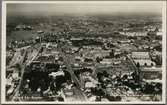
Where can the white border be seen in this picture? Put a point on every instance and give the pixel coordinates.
(3, 52)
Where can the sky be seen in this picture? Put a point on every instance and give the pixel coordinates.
(84, 8)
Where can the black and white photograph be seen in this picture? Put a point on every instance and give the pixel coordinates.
(83, 52)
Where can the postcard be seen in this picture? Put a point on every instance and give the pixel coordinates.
(83, 52)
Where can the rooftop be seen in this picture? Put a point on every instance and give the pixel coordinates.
(140, 55)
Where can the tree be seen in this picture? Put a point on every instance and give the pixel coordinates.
(18, 66)
(158, 60)
(60, 99)
(118, 98)
(98, 98)
(98, 59)
(112, 53)
(105, 73)
(110, 98)
(137, 78)
(99, 75)
(125, 76)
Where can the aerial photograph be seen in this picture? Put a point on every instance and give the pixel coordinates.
(84, 52)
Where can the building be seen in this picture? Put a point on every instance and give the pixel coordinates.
(74, 49)
(23, 27)
(90, 85)
(144, 33)
(145, 62)
(124, 41)
(100, 53)
(143, 58)
(151, 73)
(78, 58)
(40, 31)
(94, 47)
(58, 73)
(107, 61)
(140, 55)
(76, 39)
(159, 33)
